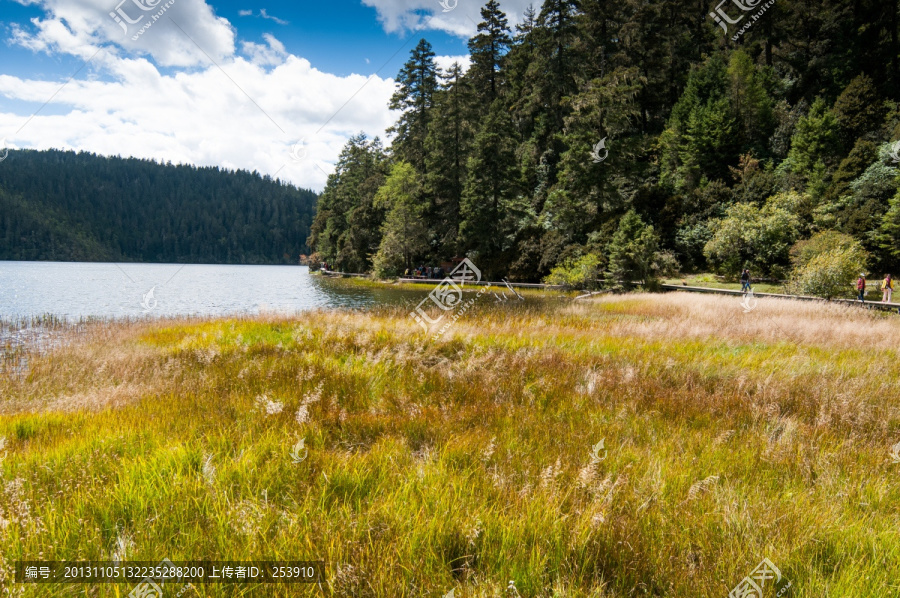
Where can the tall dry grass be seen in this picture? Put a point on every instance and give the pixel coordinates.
(471, 463)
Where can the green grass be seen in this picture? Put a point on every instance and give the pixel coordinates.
(465, 463)
(425, 287)
(714, 282)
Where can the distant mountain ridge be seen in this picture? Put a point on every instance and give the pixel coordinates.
(67, 206)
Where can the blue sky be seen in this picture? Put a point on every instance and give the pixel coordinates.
(277, 88)
(338, 36)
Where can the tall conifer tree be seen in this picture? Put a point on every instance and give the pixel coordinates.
(416, 85)
(487, 50)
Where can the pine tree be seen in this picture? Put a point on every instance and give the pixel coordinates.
(751, 105)
(346, 231)
(700, 131)
(547, 68)
(447, 149)
(489, 205)
(551, 68)
(859, 110)
(487, 50)
(632, 252)
(529, 20)
(521, 54)
(404, 235)
(557, 21)
(588, 192)
(816, 140)
(416, 85)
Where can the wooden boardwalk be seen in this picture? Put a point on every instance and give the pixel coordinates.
(854, 302)
(342, 274)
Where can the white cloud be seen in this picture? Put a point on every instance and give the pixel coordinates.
(461, 19)
(184, 35)
(265, 15)
(247, 115)
(445, 62)
(270, 54)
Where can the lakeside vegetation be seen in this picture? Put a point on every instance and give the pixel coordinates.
(471, 463)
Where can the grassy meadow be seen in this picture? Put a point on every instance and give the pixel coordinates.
(472, 463)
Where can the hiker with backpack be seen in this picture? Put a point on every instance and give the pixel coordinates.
(887, 289)
(861, 287)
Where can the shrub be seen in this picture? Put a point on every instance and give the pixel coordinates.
(580, 273)
(633, 254)
(748, 236)
(665, 263)
(804, 251)
(830, 273)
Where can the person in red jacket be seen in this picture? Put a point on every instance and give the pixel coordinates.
(861, 287)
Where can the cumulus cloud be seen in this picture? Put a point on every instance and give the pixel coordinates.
(268, 54)
(458, 17)
(186, 32)
(445, 62)
(245, 110)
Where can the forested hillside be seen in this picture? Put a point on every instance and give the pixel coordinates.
(57, 205)
(633, 137)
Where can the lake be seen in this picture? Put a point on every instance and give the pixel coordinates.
(80, 290)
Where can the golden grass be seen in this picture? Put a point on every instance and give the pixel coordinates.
(472, 462)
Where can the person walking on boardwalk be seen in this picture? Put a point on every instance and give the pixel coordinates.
(887, 289)
(861, 287)
(745, 281)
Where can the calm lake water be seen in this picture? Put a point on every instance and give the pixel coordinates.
(76, 290)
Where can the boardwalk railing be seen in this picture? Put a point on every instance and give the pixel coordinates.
(344, 274)
(856, 302)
